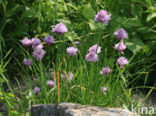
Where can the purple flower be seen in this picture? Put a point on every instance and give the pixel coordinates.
(122, 61)
(27, 62)
(38, 53)
(35, 42)
(36, 90)
(26, 42)
(120, 47)
(105, 71)
(70, 76)
(40, 46)
(95, 48)
(104, 89)
(121, 34)
(71, 51)
(102, 17)
(60, 29)
(91, 57)
(51, 83)
(49, 39)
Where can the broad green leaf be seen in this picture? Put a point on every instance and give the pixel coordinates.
(71, 35)
(92, 25)
(71, 5)
(132, 22)
(134, 45)
(119, 19)
(29, 13)
(151, 17)
(144, 30)
(136, 10)
(21, 29)
(147, 50)
(149, 36)
(88, 12)
(151, 9)
(13, 10)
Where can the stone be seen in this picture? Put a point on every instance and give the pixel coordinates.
(70, 109)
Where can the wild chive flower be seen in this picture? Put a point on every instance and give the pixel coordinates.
(95, 48)
(92, 57)
(26, 42)
(60, 29)
(36, 90)
(104, 89)
(49, 39)
(51, 83)
(70, 76)
(40, 46)
(102, 17)
(105, 71)
(121, 34)
(38, 53)
(27, 62)
(35, 42)
(120, 47)
(71, 51)
(122, 61)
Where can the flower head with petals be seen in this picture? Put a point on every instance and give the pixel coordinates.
(27, 62)
(105, 71)
(26, 42)
(104, 89)
(71, 51)
(92, 57)
(51, 83)
(121, 34)
(39, 53)
(60, 28)
(36, 90)
(35, 42)
(102, 17)
(120, 47)
(122, 61)
(49, 39)
(95, 48)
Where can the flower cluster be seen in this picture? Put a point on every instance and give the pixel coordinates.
(49, 39)
(51, 83)
(102, 17)
(122, 61)
(70, 76)
(60, 28)
(94, 50)
(120, 47)
(104, 89)
(27, 62)
(71, 51)
(121, 34)
(36, 90)
(93, 55)
(36, 44)
(26, 42)
(105, 71)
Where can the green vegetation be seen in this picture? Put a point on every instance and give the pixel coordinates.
(36, 19)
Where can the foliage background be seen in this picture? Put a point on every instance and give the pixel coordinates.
(20, 18)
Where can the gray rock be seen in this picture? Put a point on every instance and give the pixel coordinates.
(70, 109)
